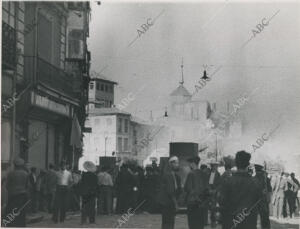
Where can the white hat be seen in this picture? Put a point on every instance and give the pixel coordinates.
(174, 158)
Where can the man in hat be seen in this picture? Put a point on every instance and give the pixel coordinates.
(105, 183)
(239, 196)
(89, 191)
(64, 181)
(263, 206)
(214, 181)
(196, 188)
(17, 188)
(170, 189)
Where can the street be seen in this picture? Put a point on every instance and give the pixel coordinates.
(143, 220)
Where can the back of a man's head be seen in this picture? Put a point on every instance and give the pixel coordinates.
(242, 159)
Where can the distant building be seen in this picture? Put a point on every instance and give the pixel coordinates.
(190, 119)
(108, 134)
(101, 92)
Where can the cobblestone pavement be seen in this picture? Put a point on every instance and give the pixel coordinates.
(142, 220)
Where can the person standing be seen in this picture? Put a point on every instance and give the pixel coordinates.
(278, 197)
(64, 181)
(263, 206)
(17, 188)
(41, 190)
(206, 171)
(105, 183)
(296, 187)
(51, 182)
(33, 189)
(288, 197)
(214, 181)
(170, 189)
(239, 196)
(196, 188)
(89, 191)
(124, 188)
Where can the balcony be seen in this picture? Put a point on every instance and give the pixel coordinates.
(8, 47)
(49, 76)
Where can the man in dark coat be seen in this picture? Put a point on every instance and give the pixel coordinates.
(170, 189)
(89, 191)
(196, 188)
(239, 196)
(263, 206)
(17, 188)
(124, 189)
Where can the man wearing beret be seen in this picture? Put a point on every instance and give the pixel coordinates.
(240, 196)
(196, 188)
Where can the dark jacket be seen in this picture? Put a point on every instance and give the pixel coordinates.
(167, 190)
(88, 185)
(240, 195)
(17, 182)
(196, 187)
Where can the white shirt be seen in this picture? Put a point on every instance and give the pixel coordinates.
(211, 178)
(64, 177)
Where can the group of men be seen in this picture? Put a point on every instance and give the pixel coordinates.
(234, 199)
(239, 196)
(285, 191)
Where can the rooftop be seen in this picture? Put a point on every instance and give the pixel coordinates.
(180, 91)
(100, 77)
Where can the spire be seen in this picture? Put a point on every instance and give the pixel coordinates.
(182, 80)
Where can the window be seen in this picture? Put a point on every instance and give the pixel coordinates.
(120, 125)
(102, 87)
(111, 89)
(126, 125)
(106, 88)
(91, 86)
(120, 144)
(97, 86)
(126, 144)
(8, 13)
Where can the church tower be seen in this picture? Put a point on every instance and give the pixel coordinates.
(180, 96)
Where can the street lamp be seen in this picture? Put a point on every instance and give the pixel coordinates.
(105, 145)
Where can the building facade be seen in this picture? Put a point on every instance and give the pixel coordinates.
(101, 92)
(108, 135)
(51, 80)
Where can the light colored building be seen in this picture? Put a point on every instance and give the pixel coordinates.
(101, 92)
(108, 133)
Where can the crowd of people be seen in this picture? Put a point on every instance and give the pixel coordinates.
(234, 198)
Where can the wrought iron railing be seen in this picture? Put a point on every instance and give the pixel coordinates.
(49, 75)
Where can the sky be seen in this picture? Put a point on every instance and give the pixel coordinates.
(210, 34)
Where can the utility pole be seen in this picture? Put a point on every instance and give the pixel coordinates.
(216, 147)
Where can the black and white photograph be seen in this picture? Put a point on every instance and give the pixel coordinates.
(150, 114)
